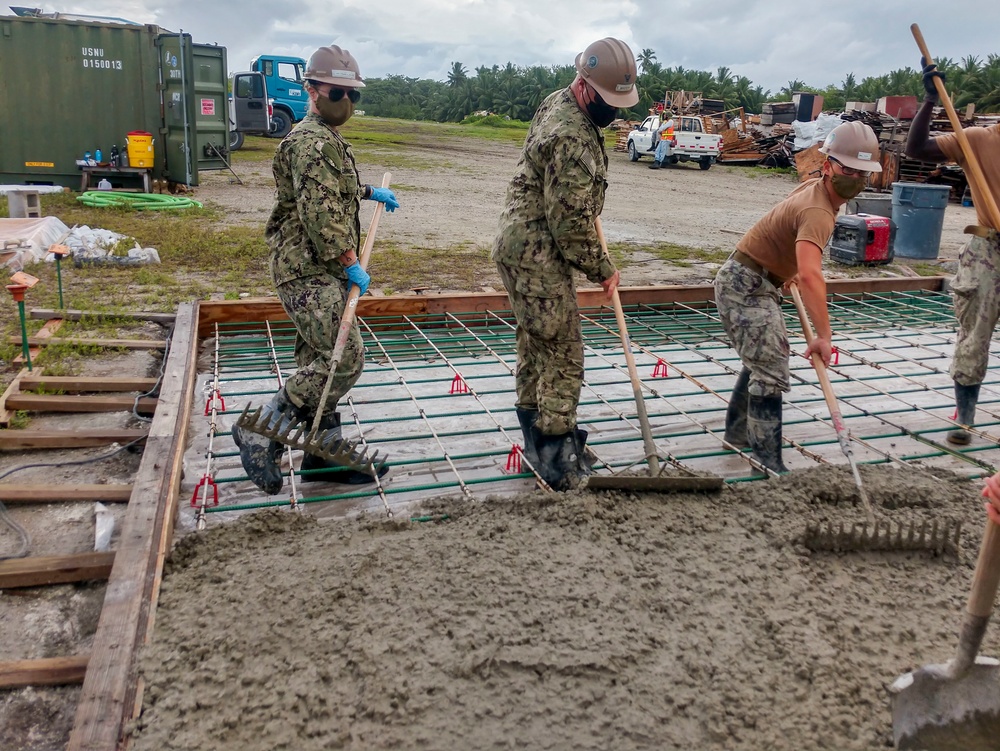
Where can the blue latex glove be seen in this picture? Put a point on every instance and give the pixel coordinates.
(357, 275)
(386, 196)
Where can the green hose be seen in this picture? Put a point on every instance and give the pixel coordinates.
(138, 201)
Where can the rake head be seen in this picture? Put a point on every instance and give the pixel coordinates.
(937, 537)
(325, 444)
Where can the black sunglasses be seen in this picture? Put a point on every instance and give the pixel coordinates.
(337, 94)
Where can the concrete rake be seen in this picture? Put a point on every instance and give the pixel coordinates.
(938, 536)
(325, 444)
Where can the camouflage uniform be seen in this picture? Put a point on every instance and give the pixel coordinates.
(976, 292)
(750, 308)
(547, 230)
(314, 221)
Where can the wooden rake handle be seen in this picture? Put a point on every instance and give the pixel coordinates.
(817, 361)
(633, 374)
(350, 309)
(975, 172)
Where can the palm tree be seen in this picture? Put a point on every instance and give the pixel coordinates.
(646, 58)
(457, 75)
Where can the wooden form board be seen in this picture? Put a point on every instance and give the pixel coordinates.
(82, 384)
(29, 438)
(54, 569)
(269, 308)
(64, 493)
(38, 341)
(54, 403)
(108, 698)
(47, 671)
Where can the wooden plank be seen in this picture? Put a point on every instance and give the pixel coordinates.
(19, 440)
(61, 493)
(45, 332)
(54, 403)
(76, 384)
(47, 671)
(12, 388)
(76, 315)
(37, 341)
(109, 697)
(255, 310)
(54, 569)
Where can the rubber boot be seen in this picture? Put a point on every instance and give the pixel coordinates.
(736, 412)
(966, 398)
(764, 431)
(330, 422)
(560, 458)
(259, 455)
(527, 419)
(654, 165)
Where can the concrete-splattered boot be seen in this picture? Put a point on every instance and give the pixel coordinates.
(259, 455)
(334, 472)
(561, 460)
(736, 412)
(764, 431)
(966, 398)
(526, 417)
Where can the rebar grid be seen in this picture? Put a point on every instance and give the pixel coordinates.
(437, 396)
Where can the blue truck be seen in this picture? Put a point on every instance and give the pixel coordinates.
(284, 78)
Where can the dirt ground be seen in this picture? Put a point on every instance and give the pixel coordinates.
(579, 622)
(457, 206)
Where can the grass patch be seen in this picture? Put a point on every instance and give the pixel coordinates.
(678, 255)
(757, 171)
(460, 267)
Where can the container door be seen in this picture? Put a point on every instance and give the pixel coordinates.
(250, 103)
(195, 129)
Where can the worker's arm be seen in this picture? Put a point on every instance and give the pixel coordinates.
(812, 287)
(919, 144)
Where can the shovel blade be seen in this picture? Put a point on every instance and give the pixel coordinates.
(934, 712)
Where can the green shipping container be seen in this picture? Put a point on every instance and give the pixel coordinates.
(72, 87)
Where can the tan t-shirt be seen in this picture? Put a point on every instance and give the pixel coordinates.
(985, 143)
(806, 214)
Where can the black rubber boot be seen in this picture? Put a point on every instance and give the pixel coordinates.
(260, 456)
(764, 431)
(561, 460)
(334, 472)
(736, 412)
(966, 398)
(654, 165)
(527, 419)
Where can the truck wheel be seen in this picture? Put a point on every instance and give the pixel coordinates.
(705, 162)
(633, 154)
(235, 140)
(281, 124)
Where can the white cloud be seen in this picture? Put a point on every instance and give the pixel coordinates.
(769, 42)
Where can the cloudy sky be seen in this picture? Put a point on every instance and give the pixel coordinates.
(770, 41)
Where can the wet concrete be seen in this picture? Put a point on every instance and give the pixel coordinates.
(584, 621)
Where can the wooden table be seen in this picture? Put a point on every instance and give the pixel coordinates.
(141, 173)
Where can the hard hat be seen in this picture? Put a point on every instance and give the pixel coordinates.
(334, 65)
(609, 66)
(854, 145)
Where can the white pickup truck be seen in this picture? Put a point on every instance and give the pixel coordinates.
(693, 143)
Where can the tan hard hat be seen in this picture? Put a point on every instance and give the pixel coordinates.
(609, 66)
(854, 145)
(334, 65)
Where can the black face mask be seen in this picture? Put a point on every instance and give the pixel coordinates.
(602, 113)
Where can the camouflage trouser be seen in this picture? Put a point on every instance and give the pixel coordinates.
(750, 308)
(315, 304)
(976, 291)
(549, 346)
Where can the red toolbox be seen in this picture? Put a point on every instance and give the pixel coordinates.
(863, 238)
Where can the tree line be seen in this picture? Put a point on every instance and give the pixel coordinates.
(515, 92)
